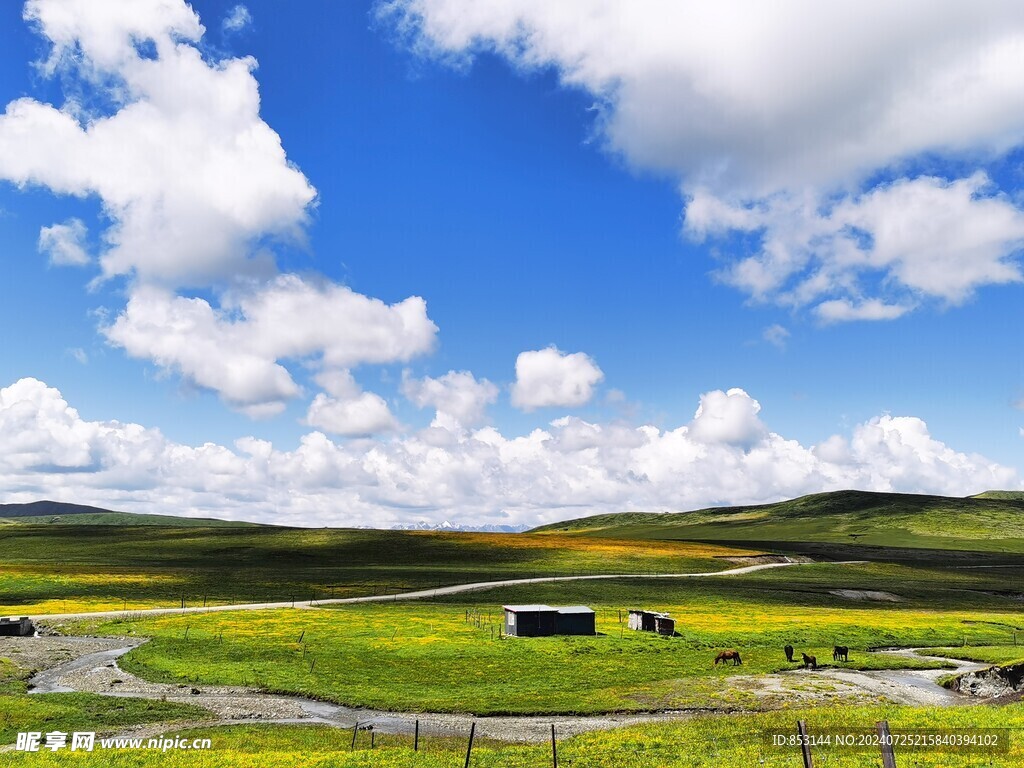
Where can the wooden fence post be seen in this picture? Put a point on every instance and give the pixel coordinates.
(416, 738)
(469, 750)
(805, 746)
(355, 730)
(885, 739)
(554, 748)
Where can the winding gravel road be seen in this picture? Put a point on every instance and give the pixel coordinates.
(424, 593)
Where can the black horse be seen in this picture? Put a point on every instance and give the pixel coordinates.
(840, 653)
(789, 653)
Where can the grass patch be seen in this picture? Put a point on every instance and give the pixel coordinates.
(1003, 655)
(992, 523)
(68, 569)
(694, 743)
(69, 712)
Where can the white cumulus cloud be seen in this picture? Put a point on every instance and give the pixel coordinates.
(187, 170)
(347, 410)
(238, 18)
(65, 243)
(550, 377)
(776, 335)
(235, 350)
(459, 400)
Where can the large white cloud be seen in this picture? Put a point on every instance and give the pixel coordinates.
(754, 97)
(549, 377)
(928, 237)
(572, 467)
(234, 350)
(772, 117)
(187, 170)
(347, 410)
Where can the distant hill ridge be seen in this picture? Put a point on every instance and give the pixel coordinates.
(34, 508)
(991, 521)
(63, 513)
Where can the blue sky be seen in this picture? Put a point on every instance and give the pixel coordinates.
(534, 194)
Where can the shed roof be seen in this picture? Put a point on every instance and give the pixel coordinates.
(527, 608)
(657, 614)
(547, 608)
(575, 609)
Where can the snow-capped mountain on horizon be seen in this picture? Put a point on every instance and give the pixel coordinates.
(447, 525)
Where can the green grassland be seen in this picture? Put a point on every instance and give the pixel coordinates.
(732, 741)
(1003, 655)
(69, 712)
(990, 523)
(424, 656)
(62, 569)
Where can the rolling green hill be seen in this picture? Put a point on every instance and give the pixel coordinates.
(62, 513)
(124, 518)
(992, 522)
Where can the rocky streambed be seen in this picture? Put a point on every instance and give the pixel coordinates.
(1004, 683)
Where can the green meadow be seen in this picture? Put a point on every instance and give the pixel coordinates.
(64, 569)
(991, 523)
(426, 656)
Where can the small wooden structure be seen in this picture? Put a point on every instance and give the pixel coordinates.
(652, 621)
(16, 627)
(546, 620)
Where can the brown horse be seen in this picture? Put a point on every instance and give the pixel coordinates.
(810, 662)
(789, 652)
(725, 656)
(840, 653)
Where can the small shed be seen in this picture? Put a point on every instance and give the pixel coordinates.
(546, 620)
(16, 627)
(651, 621)
(575, 620)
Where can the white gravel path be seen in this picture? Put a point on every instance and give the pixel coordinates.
(426, 593)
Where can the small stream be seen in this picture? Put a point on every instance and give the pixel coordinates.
(97, 672)
(911, 686)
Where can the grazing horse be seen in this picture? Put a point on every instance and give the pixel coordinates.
(725, 656)
(840, 653)
(810, 662)
(789, 653)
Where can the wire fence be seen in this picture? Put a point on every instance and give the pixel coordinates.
(540, 744)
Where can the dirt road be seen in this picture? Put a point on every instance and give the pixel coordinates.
(422, 593)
